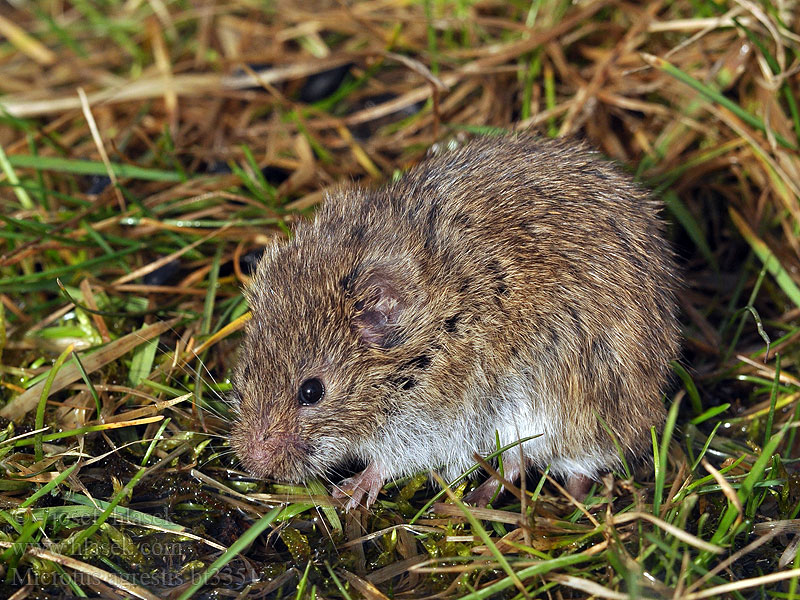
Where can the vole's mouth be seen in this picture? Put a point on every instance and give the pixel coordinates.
(281, 456)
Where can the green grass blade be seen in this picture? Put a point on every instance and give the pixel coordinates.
(92, 506)
(466, 474)
(713, 96)
(46, 488)
(485, 538)
(142, 363)
(705, 446)
(88, 382)
(337, 582)
(12, 555)
(301, 586)
(746, 487)
(49, 276)
(771, 262)
(152, 446)
(691, 388)
(690, 225)
(8, 168)
(772, 400)
(317, 488)
(666, 438)
(786, 90)
(39, 420)
(544, 567)
(75, 543)
(710, 413)
(90, 167)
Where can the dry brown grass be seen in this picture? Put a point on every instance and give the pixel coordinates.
(207, 118)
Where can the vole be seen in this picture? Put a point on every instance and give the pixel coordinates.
(513, 287)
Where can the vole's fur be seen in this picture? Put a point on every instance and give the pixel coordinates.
(514, 285)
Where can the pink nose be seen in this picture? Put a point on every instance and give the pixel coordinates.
(280, 455)
(260, 453)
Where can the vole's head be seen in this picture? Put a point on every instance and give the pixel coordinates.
(324, 355)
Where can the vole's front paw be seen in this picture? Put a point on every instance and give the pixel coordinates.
(369, 482)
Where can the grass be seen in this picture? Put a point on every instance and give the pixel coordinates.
(132, 211)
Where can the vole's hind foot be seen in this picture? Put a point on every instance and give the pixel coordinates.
(369, 482)
(578, 486)
(482, 494)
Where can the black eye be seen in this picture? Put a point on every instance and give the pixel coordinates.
(311, 391)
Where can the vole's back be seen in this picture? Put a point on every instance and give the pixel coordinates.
(551, 287)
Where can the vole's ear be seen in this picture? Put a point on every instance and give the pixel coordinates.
(380, 302)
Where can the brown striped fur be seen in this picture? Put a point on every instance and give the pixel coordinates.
(514, 285)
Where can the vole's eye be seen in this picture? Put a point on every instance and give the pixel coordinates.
(311, 391)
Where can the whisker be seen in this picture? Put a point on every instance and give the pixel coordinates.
(186, 367)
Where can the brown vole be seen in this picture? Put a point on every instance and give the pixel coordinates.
(514, 286)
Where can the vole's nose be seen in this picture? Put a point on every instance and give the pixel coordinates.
(283, 444)
(259, 459)
(280, 455)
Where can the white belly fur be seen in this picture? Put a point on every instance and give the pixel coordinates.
(528, 415)
(407, 447)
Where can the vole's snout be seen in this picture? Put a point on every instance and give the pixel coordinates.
(278, 455)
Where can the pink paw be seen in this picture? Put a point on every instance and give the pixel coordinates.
(578, 486)
(482, 494)
(369, 482)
